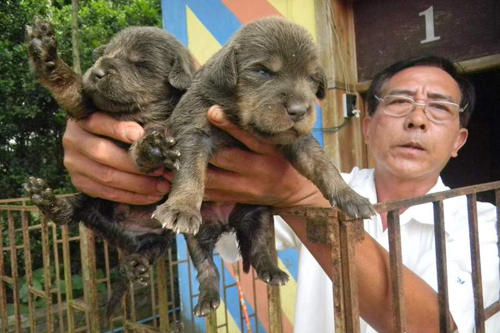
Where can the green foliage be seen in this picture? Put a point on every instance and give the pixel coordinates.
(31, 123)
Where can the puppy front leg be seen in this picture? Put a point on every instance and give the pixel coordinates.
(307, 156)
(181, 211)
(155, 150)
(64, 84)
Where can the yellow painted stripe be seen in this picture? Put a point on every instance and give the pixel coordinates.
(221, 316)
(201, 43)
(299, 11)
(288, 294)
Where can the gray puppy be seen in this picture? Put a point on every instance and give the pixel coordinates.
(266, 78)
(140, 75)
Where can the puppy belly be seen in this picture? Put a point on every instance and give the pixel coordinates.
(217, 212)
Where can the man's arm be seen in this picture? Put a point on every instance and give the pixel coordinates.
(276, 184)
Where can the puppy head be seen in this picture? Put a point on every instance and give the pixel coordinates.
(139, 66)
(272, 65)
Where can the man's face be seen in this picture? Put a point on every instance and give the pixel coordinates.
(413, 147)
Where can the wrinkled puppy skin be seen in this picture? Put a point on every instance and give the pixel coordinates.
(267, 79)
(140, 75)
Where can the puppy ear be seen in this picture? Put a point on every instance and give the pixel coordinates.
(323, 84)
(223, 72)
(98, 52)
(181, 74)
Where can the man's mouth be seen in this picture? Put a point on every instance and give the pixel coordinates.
(413, 145)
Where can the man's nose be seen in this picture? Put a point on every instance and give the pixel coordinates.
(417, 119)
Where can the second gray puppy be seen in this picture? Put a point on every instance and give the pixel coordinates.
(266, 79)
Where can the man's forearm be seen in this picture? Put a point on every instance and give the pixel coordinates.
(375, 295)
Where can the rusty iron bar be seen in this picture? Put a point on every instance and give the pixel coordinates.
(14, 271)
(476, 263)
(163, 295)
(87, 245)
(405, 203)
(46, 273)
(441, 263)
(273, 292)
(3, 293)
(139, 328)
(57, 278)
(67, 277)
(396, 264)
(29, 272)
(348, 238)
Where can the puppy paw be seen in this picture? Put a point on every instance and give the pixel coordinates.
(353, 204)
(178, 219)
(273, 275)
(42, 196)
(136, 269)
(155, 150)
(209, 301)
(42, 48)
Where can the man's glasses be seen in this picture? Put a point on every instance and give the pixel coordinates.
(436, 111)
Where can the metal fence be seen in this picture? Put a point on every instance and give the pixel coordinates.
(50, 297)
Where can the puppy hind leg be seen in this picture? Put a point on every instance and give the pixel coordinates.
(252, 232)
(60, 211)
(201, 249)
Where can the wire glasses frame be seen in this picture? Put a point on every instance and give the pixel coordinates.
(437, 111)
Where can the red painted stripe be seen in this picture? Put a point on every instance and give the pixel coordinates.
(250, 10)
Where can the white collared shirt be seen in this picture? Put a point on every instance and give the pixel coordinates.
(314, 304)
(314, 310)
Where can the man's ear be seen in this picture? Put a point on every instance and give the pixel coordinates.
(323, 84)
(181, 74)
(224, 70)
(98, 52)
(462, 135)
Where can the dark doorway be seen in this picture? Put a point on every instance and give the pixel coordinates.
(479, 160)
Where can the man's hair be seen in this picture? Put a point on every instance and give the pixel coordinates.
(468, 96)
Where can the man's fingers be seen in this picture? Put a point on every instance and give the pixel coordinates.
(102, 124)
(96, 148)
(113, 178)
(95, 189)
(216, 117)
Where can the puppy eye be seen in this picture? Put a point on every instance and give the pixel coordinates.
(264, 73)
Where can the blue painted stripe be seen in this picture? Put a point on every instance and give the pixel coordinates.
(175, 19)
(216, 17)
(318, 126)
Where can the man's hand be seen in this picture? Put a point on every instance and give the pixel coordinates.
(99, 168)
(258, 176)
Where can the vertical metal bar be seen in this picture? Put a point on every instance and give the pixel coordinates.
(3, 294)
(87, 245)
(396, 262)
(46, 273)
(29, 271)
(163, 295)
(14, 272)
(333, 230)
(152, 289)
(477, 283)
(67, 278)
(440, 239)
(58, 279)
(273, 292)
(211, 322)
(172, 284)
(348, 242)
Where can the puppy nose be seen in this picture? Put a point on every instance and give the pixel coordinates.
(98, 73)
(296, 111)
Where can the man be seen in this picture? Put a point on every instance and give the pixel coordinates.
(417, 113)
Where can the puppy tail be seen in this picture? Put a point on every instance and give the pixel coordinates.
(119, 290)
